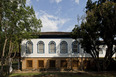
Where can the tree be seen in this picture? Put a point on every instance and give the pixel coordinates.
(18, 22)
(0, 14)
(100, 23)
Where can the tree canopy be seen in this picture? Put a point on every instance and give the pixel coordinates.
(100, 24)
(17, 22)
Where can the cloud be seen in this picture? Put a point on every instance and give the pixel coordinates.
(28, 2)
(57, 1)
(77, 1)
(37, 0)
(50, 22)
(58, 12)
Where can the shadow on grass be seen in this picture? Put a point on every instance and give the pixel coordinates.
(64, 74)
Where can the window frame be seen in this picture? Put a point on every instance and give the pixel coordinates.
(38, 47)
(77, 47)
(61, 47)
(49, 47)
(27, 65)
(27, 52)
(39, 66)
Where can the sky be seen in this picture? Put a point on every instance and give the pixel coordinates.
(58, 15)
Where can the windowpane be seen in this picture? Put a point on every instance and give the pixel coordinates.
(63, 46)
(74, 50)
(41, 63)
(41, 47)
(52, 47)
(75, 47)
(29, 63)
(41, 50)
(29, 47)
(52, 51)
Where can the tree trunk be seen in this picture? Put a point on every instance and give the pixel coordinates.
(0, 13)
(9, 64)
(98, 66)
(108, 57)
(19, 64)
(97, 63)
(2, 57)
(19, 59)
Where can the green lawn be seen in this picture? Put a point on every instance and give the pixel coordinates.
(63, 74)
(24, 74)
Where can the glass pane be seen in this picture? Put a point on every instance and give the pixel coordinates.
(63, 51)
(29, 63)
(29, 47)
(63, 47)
(41, 47)
(41, 63)
(53, 51)
(75, 47)
(74, 50)
(41, 50)
(52, 47)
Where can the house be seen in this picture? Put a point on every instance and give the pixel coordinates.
(54, 50)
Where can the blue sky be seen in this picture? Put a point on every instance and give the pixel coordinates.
(58, 15)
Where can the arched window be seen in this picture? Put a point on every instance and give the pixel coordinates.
(29, 47)
(63, 47)
(40, 47)
(75, 47)
(52, 47)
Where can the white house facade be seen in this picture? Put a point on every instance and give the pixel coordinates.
(54, 50)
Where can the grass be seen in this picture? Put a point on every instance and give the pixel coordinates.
(59, 74)
(24, 74)
(63, 74)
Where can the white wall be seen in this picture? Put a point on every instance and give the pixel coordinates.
(57, 54)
